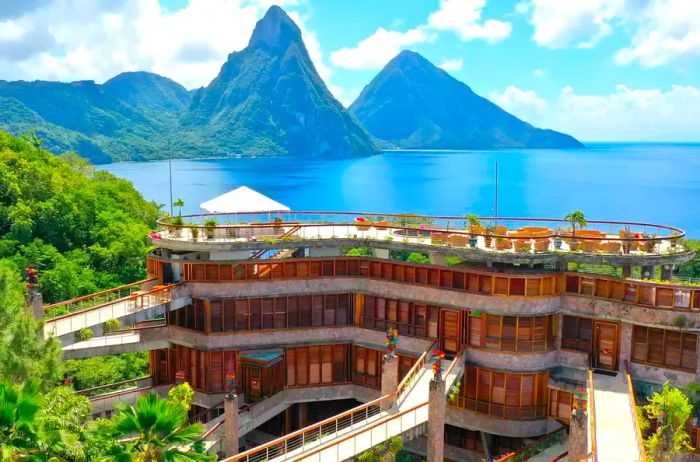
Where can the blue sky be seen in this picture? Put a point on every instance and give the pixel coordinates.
(599, 69)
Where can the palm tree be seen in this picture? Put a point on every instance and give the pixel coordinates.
(576, 218)
(155, 430)
(180, 204)
(21, 434)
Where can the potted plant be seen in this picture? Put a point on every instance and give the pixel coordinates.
(176, 226)
(557, 239)
(210, 225)
(278, 225)
(194, 230)
(502, 243)
(575, 218)
(474, 228)
(490, 230)
(650, 244)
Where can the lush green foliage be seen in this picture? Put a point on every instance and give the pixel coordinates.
(382, 452)
(692, 267)
(670, 408)
(182, 394)
(24, 353)
(111, 325)
(576, 219)
(83, 230)
(162, 432)
(101, 370)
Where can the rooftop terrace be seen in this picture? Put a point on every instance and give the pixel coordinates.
(504, 239)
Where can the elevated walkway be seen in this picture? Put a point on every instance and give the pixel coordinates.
(615, 426)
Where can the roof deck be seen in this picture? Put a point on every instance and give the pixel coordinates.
(508, 240)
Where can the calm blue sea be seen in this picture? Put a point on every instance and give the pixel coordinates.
(657, 183)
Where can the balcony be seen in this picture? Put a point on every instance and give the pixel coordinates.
(511, 240)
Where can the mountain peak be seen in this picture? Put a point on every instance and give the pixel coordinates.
(410, 58)
(276, 29)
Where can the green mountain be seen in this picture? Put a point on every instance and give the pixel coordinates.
(269, 99)
(413, 104)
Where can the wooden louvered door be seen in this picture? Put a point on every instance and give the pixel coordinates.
(606, 345)
(449, 331)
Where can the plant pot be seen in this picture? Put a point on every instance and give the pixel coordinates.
(574, 245)
(472, 242)
(557, 244)
(503, 244)
(521, 247)
(487, 241)
(210, 233)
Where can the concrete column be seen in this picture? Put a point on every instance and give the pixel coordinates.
(578, 435)
(437, 402)
(486, 441)
(35, 303)
(625, 344)
(626, 271)
(648, 271)
(231, 425)
(380, 253)
(666, 272)
(438, 259)
(390, 377)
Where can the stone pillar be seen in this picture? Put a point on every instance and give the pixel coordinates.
(666, 272)
(486, 441)
(578, 435)
(625, 344)
(626, 271)
(231, 425)
(390, 378)
(437, 402)
(380, 253)
(35, 302)
(648, 271)
(438, 259)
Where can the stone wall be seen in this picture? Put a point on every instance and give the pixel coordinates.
(515, 428)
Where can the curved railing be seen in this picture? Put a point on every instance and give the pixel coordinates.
(523, 234)
(95, 299)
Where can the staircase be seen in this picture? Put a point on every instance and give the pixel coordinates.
(615, 426)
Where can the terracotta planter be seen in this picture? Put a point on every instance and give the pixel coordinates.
(521, 246)
(574, 245)
(542, 245)
(503, 244)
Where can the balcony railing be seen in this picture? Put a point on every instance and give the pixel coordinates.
(413, 373)
(525, 235)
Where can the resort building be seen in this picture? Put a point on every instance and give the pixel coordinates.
(547, 333)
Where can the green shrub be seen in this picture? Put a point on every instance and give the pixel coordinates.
(83, 334)
(111, 325)
(210, 222)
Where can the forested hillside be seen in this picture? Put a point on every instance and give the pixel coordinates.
(82, 229)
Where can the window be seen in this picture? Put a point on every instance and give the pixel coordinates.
(367, 370)
(315, 365)
(665, 348)
(511, 333)
(409, 318)
(505, 395)
(577, 334)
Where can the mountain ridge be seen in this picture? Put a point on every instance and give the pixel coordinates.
(413, 104)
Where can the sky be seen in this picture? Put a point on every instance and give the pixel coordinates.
(601, 70)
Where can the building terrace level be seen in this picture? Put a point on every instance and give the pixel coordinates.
(504, 240)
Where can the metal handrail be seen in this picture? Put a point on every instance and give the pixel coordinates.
(298, 439)
(459, 359)
(635, 417)
(413, 373)
(87, 391)
(107, 292)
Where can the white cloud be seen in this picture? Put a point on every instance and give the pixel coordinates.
(76, 40)
(377, 49)
(560, 24)
(452, 65)
(626, 114)
(661, 31)
(668, 31)
(539, 73)
(464, 18)
(346, 97)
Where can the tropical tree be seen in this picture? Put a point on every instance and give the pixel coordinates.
(182, 394)
(179, 203)
(576, 218)
(155, 430)
(22, 437)
(670, 409)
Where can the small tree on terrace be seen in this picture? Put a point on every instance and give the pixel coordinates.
(576, 218)
(179, 203)
(670, 409)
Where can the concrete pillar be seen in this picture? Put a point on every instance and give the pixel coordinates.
(626, 271)
(625, 344)
(648, 271)
(578, 435)
(438, 259)
(380, 253)
(390, 377)
(487, 442)
(666, 272)
(437, 402)
(35, 302)
(231, 425)
(324, 252)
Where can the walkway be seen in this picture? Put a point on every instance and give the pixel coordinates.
(615, 432)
